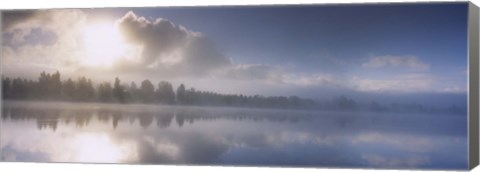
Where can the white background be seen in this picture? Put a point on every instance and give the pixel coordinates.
(54, 167)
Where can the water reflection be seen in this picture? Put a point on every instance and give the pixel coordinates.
(49, 117)
(63, 132)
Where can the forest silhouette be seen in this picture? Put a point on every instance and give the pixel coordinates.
(50, 87)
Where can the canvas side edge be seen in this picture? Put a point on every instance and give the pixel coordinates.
(1, 84)
(473, 91)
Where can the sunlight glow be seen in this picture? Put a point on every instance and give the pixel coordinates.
(96, 148)
(103, 44)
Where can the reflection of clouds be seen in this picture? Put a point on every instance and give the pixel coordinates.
(185, 148)
(69, 144)
(254, 140)
(98, 147)
(282, 139)
(310, 138)
(200, 149)
(396, 162)
(151, 153)
(404, 142)
(189, 135)
(11, 154)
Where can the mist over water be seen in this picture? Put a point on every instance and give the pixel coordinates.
(149, 134)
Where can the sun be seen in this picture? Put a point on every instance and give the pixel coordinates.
(104, 44)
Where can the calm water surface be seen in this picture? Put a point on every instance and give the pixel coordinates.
(147, 134)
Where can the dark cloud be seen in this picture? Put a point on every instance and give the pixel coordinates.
(10, 19)
(36, 36)
(200, 55)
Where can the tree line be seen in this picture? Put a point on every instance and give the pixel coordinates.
(51, 87)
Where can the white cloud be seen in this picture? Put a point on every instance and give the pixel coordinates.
(157, 38)
(395, 162)
(249, 72)
(403, 142)
(411, 62)
(399, 83)
(62, 53)
(453, 89)
(169, 49)
(319, 79)
(276, 75)
(163, 49)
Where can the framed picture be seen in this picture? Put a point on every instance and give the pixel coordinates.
(358, 86)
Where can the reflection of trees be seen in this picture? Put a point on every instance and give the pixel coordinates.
(193, 114)
(164, 119)
(5, 114)
(116, 117)
(103, 115)
(47, 124)
(179, 118)
(45, 118)
(49, 119)
(82, 117)
(145, 118)
(49, 116)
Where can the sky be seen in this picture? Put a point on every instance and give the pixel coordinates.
(312, 51)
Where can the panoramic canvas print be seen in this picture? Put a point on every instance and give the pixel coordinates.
(323, 86)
